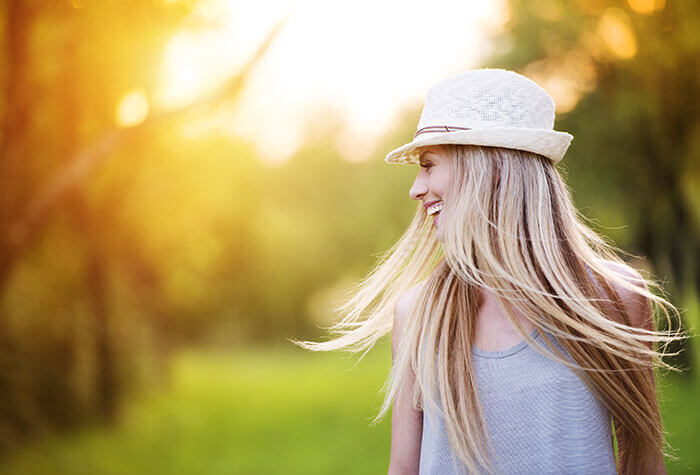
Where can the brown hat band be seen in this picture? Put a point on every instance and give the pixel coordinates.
(439, 128)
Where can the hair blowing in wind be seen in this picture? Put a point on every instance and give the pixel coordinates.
(509, 226)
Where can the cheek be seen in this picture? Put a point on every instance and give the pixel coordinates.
(441, 180)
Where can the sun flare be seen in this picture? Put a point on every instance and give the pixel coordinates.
(133, 108)
(328, 56)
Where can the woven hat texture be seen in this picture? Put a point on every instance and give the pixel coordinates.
(488, 107)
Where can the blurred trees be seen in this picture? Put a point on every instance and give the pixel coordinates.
(626, 76)
(65, 66)
(119, 245)
(180, 236)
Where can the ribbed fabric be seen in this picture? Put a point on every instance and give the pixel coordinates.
(541, 419)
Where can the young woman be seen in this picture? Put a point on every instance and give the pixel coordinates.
(521, 343)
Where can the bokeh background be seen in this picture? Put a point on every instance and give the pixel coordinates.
(186, 185)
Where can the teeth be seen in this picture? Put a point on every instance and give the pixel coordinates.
(434, 209)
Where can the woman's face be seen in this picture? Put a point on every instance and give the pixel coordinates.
(432, 180)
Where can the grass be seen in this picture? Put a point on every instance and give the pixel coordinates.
(256, 412)
(271, 411)
(681, 414)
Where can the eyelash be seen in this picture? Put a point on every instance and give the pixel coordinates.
(426, 166)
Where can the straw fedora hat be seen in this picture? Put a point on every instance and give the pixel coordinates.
(489, 107)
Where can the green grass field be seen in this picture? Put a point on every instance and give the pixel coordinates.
(270, 412)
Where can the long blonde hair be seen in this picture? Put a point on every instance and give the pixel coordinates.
(508, 225)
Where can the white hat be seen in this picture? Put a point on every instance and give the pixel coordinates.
(489, 107)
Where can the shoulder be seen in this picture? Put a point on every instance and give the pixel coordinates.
(402, 311)
(636, 305)
(405, 301)
(623, 269)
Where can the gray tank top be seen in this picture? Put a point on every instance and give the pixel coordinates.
(541, 418)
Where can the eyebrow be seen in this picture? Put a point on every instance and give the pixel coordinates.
(420, 157)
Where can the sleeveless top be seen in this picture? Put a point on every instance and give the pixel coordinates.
(540, 417)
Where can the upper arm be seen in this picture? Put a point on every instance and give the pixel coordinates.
(639, 310)
(406, 419)
(401, 315)
(636, 306)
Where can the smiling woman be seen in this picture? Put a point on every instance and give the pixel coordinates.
(432, 180)
(518, 335)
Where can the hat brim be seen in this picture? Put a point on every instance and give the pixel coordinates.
(549, 143)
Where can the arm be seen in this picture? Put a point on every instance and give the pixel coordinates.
(640, 313)
(406, 420)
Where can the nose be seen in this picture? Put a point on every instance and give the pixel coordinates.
(419, 188)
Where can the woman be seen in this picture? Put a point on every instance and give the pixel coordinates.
(519, 338)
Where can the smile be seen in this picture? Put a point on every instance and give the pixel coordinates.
(436, 208)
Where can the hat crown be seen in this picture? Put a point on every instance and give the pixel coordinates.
(488, 98)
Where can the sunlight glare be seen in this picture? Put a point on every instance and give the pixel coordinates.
(646, 7)
(566, 79)
(366, 66)
(617, 33)
(277, 142)
(183, 70)
(353, 147)
(132, 109)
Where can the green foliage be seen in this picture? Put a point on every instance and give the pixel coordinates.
(66, 334)
(271, 411)
(634, 164)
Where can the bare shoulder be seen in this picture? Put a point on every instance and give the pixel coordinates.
(625, 270)
(636, 305)
(405, 301)
(402, 313)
